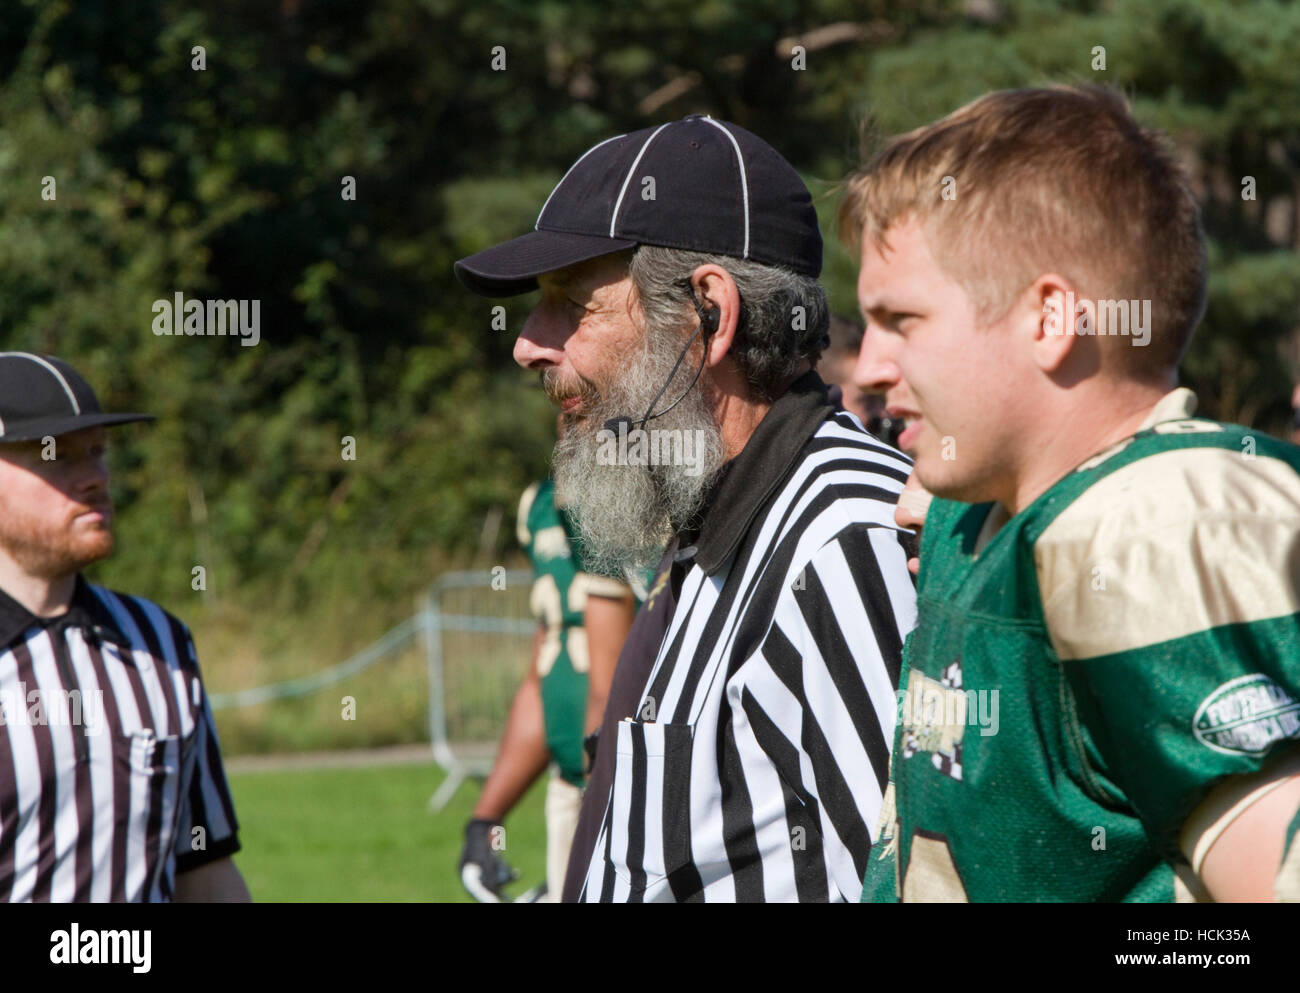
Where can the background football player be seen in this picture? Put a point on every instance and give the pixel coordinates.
(583, 620)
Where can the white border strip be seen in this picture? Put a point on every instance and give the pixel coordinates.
(613, 218)
(76, 407)
(566, 175)
(744, 179)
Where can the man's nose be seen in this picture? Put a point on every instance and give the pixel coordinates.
(541, 342)
(92, 476)
(876, 369)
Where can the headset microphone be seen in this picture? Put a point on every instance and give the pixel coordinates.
(709, 325)
(619, 425)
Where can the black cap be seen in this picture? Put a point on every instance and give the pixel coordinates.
(43, 396)
(696, 184)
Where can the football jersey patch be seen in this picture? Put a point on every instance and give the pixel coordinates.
(1247, 715)
(934, 719)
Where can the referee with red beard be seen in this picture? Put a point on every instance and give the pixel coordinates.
(111, 782)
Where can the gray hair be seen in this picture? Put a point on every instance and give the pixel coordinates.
(783, 315)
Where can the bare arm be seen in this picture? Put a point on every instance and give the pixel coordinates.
(523, 755)
(1242, 864)
(607, 621)
(216, 882)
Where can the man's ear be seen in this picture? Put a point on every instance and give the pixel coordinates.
(1046, 316)
(717, 292)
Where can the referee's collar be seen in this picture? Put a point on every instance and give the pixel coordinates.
(85, 611)
(749, 480)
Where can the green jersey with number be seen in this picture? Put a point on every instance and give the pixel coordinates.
(1079, 682)
(558, 601)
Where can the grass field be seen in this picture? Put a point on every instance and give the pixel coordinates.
(366, 835)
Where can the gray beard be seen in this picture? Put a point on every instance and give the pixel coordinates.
(626, 514)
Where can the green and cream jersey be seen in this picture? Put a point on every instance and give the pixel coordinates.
(558, 601)
(1085, 680)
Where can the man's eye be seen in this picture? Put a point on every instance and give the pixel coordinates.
(888, 320)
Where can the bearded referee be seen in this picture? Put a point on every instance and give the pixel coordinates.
(744, 749)
(111, 783)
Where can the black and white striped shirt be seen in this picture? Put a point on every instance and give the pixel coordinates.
(754, 765)
(110, 775)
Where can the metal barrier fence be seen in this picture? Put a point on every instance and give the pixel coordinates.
(477, 659)
(477, 630)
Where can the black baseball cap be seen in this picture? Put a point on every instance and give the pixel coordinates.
(43, 396)
(697, 184)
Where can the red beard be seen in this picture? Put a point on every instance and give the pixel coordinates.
(50, 551)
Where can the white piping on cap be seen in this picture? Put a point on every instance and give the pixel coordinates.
(566, 175)
(744, 180)
(613, 218)
(76, 407)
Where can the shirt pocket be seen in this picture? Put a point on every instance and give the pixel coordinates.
(154, 766)
(650, 836)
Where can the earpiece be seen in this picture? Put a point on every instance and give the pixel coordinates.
(708, 326)
(708, 318)
(709, 321)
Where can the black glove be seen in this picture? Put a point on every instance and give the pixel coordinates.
(482, 872)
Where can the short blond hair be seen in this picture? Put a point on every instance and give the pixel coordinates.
(1061, 179)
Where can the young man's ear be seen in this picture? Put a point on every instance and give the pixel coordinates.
(1048, 314)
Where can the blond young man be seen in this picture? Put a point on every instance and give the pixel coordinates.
(1103, 700)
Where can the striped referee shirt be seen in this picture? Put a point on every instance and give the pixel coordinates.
(110, 776)
(754, 762)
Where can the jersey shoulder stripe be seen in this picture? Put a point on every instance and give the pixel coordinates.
(522, 531)
(1183, 531)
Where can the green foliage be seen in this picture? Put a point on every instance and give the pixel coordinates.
(226, 183)
(1221, 79)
